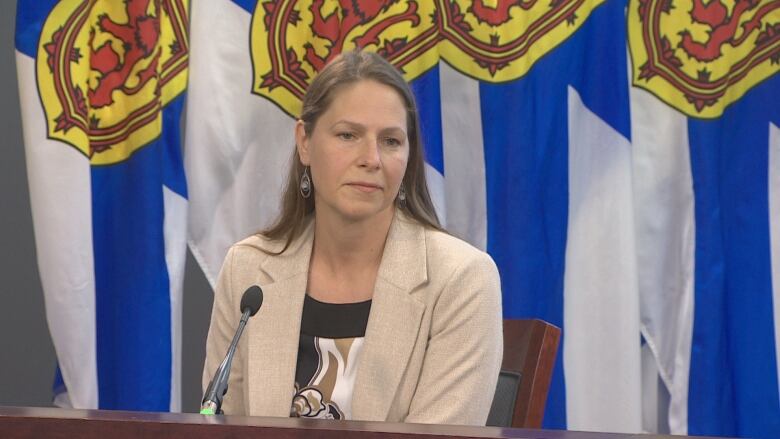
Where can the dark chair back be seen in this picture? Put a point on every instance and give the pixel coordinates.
(530, 347)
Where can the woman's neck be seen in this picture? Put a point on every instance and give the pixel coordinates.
(346, 257)
(345, 244)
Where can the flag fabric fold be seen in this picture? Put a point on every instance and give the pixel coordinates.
(733, 330)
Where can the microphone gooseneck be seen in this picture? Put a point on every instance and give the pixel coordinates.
(251, 302)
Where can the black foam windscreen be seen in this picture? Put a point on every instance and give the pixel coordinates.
(252, 299)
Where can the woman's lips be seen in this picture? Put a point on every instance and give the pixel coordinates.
(365, 187)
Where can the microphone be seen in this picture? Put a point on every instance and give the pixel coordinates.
(212, 399)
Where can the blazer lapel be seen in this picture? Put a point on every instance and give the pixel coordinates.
(394, 322)
(273, 347)
(275, 331)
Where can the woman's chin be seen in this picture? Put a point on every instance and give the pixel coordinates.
(363, 211)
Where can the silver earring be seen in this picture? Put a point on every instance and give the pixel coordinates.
(402, 196)
(305, 185)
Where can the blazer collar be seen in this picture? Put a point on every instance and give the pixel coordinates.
(294, 260)
(404, 263)
(391, 334)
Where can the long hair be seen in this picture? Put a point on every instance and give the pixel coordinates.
(346, 69)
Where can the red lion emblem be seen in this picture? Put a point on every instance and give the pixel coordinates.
(723, 27)
(139, 37)
(500, 14)
(106, 68)
(702, 55)
(355, 13)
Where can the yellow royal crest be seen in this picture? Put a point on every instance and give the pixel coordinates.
(699, 56)
(491, 40)
(105, 68)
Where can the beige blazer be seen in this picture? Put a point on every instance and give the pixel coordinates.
(433, 344)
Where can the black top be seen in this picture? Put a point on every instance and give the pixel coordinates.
(328, 350)
(334, 320)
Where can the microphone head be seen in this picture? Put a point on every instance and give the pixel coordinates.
(252, 299)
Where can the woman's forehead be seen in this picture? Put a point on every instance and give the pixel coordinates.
(367, 101)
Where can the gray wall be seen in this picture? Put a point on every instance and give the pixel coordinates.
(27, 358)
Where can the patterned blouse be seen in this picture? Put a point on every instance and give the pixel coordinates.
(328, 351)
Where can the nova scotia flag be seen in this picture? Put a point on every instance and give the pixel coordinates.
(102, 90)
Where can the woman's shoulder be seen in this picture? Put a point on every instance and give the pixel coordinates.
(441, 244)
(261, 243)
(450, 258)
(256, 244)
(253, 251)
(459, 273)
(258, 250)
(248, 261)
(442, 248)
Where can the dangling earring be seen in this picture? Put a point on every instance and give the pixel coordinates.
(402, 197)
(305, 185)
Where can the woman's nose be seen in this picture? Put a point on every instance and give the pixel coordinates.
(370, 156)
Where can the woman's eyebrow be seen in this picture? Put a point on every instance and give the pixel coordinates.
(347, 122)
(357, 125)
(393, 130)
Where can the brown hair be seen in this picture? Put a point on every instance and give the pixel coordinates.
(346, 69)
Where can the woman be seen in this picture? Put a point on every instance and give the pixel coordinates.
(371, 311)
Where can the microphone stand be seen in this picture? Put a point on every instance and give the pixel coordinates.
(212, 400)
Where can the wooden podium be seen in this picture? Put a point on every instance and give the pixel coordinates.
(42, 423)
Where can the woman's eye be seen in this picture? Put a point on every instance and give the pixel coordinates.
(392, 141)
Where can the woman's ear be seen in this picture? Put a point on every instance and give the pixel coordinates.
(302, 143)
